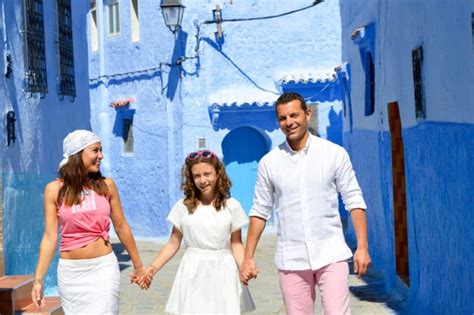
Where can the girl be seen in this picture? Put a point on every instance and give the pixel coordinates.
(207, 281)
(83, 202)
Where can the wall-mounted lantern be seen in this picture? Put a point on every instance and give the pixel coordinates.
(172, 13)
(11, 127)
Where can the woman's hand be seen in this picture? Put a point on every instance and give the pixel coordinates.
(140, 277)
(37, 294)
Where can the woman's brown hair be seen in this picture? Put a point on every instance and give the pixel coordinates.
(192, 193)
(75, 179)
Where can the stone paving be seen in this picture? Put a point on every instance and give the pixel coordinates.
(365, 299)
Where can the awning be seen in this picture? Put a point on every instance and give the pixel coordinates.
(314, 86)
(237, 107)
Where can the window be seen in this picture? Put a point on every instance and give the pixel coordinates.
(94, 32)
(417, 61)
(201, 143)
(135, 22)
(364, 37)
(114, 17)
(35, 56)
(67, 81)
(369, 85)
(127, 135)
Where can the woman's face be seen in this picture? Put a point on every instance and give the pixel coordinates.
(205, 179)
(91, 157)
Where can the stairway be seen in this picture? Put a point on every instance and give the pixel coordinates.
(15, 298)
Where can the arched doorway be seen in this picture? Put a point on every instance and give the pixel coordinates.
(243, 148)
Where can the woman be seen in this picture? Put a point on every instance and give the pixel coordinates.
(210, 222)
(83, 203)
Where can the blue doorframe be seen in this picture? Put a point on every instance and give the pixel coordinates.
(243, 148)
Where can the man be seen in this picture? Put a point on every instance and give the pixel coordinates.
(301, 179)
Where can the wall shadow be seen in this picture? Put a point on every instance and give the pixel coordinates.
(122, 256)
(174, 75)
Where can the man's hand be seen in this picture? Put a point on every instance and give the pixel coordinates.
(248, 270)
(361, 261)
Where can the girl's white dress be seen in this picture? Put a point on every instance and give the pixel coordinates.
(207, 281)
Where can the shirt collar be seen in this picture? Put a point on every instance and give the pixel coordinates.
(306, 146)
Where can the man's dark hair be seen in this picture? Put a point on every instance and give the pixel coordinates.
(291, 96)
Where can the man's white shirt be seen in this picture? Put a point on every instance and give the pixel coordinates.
(302, 188)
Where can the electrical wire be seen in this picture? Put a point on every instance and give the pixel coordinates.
(316, 2)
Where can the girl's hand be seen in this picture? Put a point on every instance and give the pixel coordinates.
(145, 281)
(37, 294)
(138, 275)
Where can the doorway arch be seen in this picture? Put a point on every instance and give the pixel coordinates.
(243, 148)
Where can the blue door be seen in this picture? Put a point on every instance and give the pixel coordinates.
(242, 149)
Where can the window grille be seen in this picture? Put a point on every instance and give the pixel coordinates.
(417, 60)
(313, 125)
(201, 143)
(35, 57)
(67, 81)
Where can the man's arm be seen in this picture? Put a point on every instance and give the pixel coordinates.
(361, 256)
(259, 214)
(248, 268)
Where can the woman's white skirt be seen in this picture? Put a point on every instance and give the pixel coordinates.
(207, 282)
(89, 286)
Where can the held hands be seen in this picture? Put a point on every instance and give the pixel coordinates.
(361, 261)
(138, 276)
(248, 270)
(143, 277)
(37, 294)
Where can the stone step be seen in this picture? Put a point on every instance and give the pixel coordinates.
(15, 293)
(52, 307)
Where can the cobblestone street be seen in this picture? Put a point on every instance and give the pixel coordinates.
(365, 299)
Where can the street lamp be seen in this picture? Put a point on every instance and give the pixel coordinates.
(172, 13)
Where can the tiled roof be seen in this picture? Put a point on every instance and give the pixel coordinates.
(242, 97)
(314, 76)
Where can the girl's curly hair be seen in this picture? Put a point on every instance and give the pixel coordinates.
(192, 193)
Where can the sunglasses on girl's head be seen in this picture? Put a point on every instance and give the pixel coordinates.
(203, 154)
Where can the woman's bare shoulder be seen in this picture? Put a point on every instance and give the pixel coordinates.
(52, 188)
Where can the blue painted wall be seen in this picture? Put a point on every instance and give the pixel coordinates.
(437, 149)
(241, 75)
(30, 162)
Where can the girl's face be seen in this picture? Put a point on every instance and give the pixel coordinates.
(205, 179)
(91, 157)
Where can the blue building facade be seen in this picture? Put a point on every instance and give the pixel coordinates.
(45, 95)
(409, 127)
(158, 95)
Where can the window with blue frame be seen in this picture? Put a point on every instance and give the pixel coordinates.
(135, 21)
(127, 135)
(369, 85)
(113, 13)
(94, 29)
(35, 56)
(364, 37)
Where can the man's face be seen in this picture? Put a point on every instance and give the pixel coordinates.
(293, 120)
